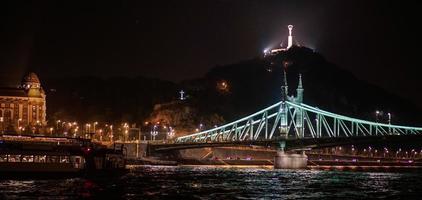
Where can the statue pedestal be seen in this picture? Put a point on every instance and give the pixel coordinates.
(290, 161)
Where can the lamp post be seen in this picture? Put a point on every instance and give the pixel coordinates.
(377, 113)
(95, 123)
(101, 135)
(154, 132)
(389, 122)
(126, 127)
(139, 134)
(88, 128)
(57, 124)
(385, 152)
(76, 132)
(111, 133)
(2, 124)
(125, 136)
(170, 133)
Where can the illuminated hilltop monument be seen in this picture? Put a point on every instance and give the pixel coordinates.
(289, 43)
(290, 38)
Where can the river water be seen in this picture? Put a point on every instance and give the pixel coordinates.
(204, 182)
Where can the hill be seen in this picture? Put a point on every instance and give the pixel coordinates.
(224, 94)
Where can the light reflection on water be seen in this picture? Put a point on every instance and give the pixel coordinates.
(208, 182)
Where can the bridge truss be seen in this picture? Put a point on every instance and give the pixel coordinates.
(290, 120)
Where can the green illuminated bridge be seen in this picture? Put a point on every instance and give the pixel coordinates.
(290, 120)
(292, 124)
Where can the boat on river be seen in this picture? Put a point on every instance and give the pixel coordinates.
(29, 154)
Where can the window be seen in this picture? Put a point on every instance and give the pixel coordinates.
(14, 158)
(52, 159)
(28, 158)
(40, 159)
(3, 158)
(64, 159)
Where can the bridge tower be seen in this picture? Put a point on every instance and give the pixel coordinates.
(285, 160)
(284, 87)
(299, 91)
(299, 113)
(299, 121)
(283, 109)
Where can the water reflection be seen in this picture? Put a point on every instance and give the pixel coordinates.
(206, 182)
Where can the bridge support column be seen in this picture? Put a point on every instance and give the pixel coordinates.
(289, 160)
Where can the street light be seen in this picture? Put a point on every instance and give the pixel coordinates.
(377, 113)
(76, 131)
(389, 122)
(154, 132)
(95, 123)
(101, 135)
(170, 133)
(126, 127)
(2, 124)
(111, 133)
(57, 124)
(126, 135)
(88, 128)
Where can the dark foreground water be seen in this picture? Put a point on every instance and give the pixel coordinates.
(221, 183)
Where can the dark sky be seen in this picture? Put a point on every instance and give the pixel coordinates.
(378, 41)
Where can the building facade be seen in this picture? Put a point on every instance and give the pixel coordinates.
(23, 107)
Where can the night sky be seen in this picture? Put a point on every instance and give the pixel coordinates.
(176, 40)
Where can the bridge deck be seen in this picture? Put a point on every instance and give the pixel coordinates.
(292, 144)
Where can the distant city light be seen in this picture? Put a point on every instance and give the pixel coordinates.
(223, 86)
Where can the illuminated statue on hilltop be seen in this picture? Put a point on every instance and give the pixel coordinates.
(290, 38)
(289, 43)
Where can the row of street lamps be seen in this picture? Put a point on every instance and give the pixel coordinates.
(170, 132)
(91, 129)
(374, 152)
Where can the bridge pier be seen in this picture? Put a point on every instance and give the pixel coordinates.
(289, 160)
